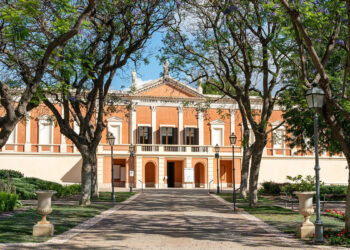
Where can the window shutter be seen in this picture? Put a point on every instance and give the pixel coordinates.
(196, 136)
(184, 136)
(175, 133)
(138, 135)
(149, 135)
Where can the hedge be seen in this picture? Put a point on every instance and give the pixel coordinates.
(5, 173)
(273, 188)
(26, 186)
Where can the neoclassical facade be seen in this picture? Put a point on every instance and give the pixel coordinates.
(173, 130)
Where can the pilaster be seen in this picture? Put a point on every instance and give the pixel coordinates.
(181, 125)
(63, 146)
(133, 123)
(27, 144)
(232, 112)
(210, 171)
(200, 127)
(99, 170)
(161, 173)
(139, 174)
(154, 124)
(189, 165)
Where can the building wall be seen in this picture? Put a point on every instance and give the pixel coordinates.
(63, 169)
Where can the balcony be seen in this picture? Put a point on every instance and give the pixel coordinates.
(172, 149)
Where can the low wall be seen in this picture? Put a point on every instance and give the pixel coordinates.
(63, 169)
(333, 170)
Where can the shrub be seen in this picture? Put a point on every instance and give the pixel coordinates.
(298, 183)
(5, 173)
(337, 237)
(8, 201)
(270, 187)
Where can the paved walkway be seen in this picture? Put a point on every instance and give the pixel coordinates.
(178, 219)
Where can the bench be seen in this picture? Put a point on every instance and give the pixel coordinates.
(288, 199)
(328, 196)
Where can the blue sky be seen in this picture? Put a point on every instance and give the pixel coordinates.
(144, 71)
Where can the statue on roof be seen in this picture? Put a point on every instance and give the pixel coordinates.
(133, 77)
(166, 68)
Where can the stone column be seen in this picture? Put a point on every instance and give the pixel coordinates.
(210, 171)
(200, 127)
(139, 173)
(181, 125)
(161, 173)
(154, 124)
(27, 144)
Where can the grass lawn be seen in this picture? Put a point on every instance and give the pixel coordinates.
(19, 227)
(287, 220)
(119, 196)
(228, 197)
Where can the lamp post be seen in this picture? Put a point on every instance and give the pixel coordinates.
(217, 149)
(131, 173)
(315, 100)
(233, 139)
(111, 140)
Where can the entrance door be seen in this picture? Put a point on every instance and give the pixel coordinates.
(171, 174)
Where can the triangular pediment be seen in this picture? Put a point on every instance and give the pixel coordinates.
(167, 87)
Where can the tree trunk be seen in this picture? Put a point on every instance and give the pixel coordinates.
(94, 184)
(88, 162)
(257, 152)
(247, 154)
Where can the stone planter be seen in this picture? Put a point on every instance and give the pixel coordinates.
(306, 209)
(44, 227)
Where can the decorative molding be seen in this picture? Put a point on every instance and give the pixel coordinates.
(217, 122)
(114, 119)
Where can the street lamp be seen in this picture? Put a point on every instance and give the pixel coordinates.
(111, 140)
(233, 139)
(315, 100)
(217, 149)
(131, 173)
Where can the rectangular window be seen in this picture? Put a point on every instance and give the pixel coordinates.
(191, 136)
(145, 135)
(278, 138)
(115, 130)
(168, 135)
(45, 132)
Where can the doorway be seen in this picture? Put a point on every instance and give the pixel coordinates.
(171, 174)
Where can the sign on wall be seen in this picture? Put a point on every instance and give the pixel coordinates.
(189, 175)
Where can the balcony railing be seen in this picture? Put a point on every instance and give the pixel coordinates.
(172, 148)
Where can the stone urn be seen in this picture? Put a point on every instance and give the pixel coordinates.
(306, 209)
(44, 227)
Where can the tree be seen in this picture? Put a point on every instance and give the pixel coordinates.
(232, 46)
(30, 34)
(116, 33)
(321, 30)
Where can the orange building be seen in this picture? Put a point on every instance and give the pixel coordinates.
(173, 138)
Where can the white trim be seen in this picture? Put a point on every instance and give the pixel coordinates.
(190, 126)
(166, 125)
(154, 124)
(217, 126)
(116, 121)
(217, 122)
(144, 125)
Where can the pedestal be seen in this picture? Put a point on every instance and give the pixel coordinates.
(305, 232)
(43, 230)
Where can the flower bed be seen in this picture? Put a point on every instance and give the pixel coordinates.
(335, 213)
(337, 237)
